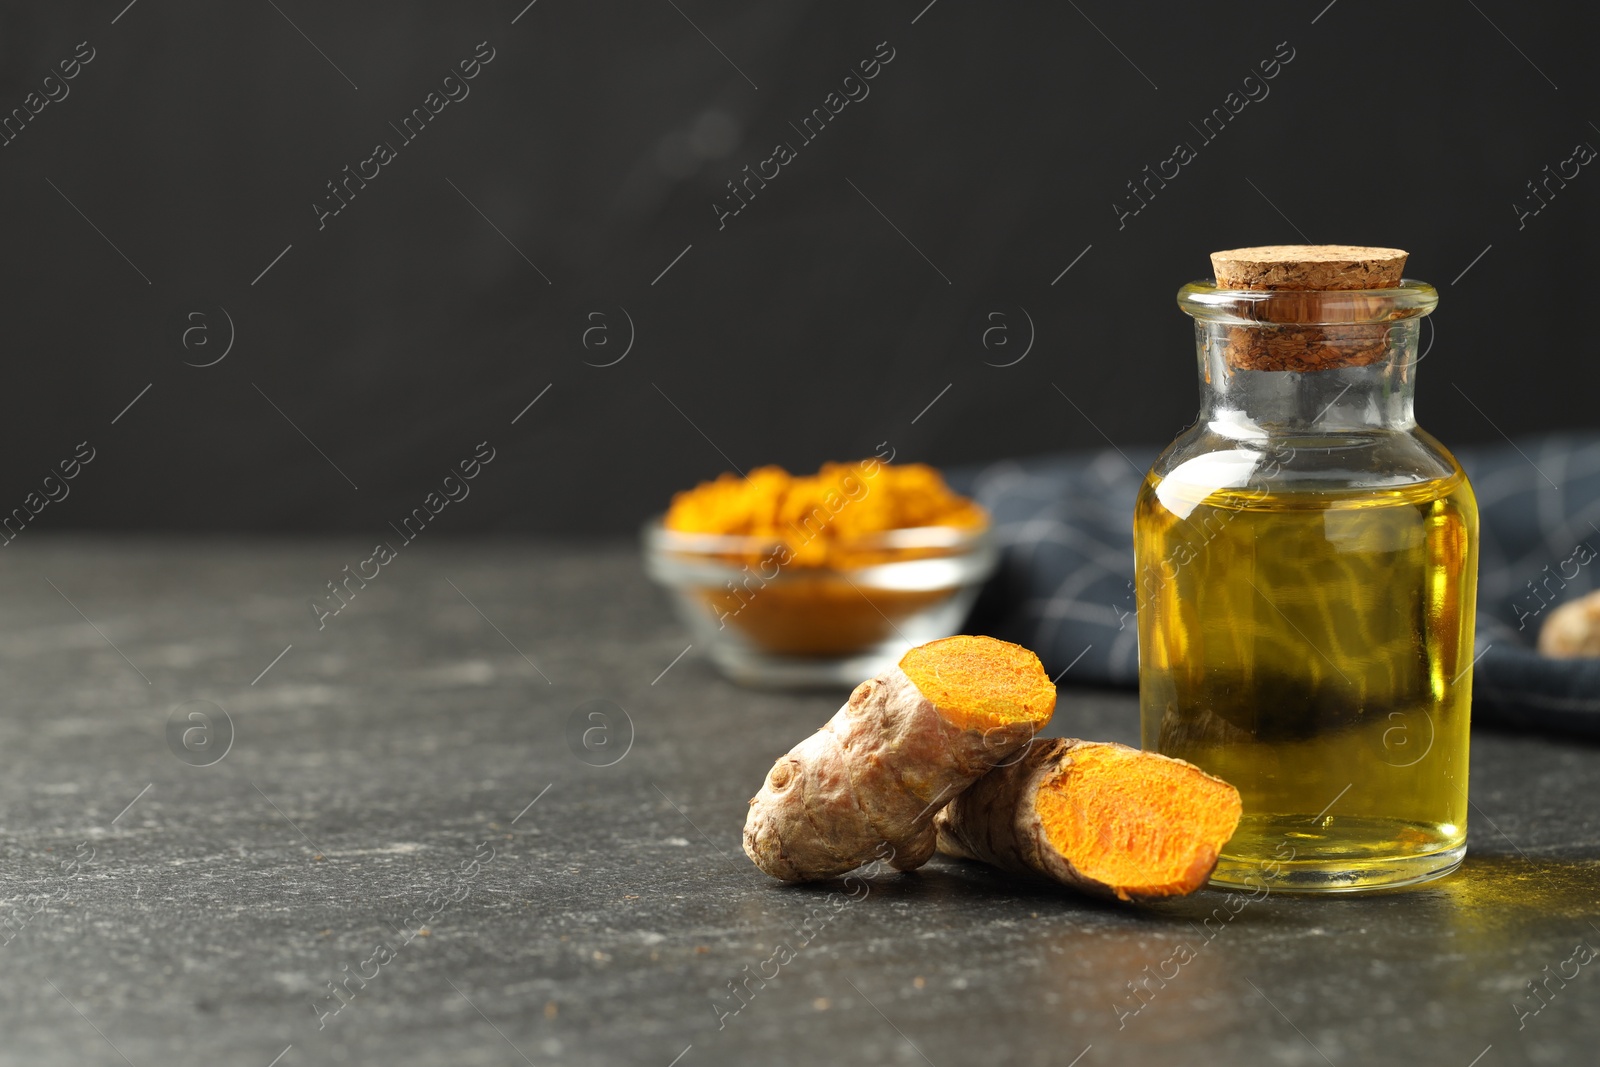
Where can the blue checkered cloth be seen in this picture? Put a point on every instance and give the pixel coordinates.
(1065, 583)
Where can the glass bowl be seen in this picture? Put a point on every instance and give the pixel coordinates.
(764, 619)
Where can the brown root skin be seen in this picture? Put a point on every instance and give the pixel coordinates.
(867, 784)
(1099, 817)
(1573, 629)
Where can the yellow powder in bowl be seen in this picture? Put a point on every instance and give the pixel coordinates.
(822, 518)
(804, 532)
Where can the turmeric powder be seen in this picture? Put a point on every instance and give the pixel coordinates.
(827, 519)
(795, 534)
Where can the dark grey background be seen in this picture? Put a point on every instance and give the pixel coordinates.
(809, 329)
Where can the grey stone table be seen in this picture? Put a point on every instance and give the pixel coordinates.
(399, 810)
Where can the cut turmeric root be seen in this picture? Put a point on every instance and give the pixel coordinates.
(1100, 817)
(904, 744)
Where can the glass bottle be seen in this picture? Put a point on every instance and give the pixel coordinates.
(1306, 570)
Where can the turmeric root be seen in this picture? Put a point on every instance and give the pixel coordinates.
(1100, 817)
(905, 743)
(1573, 629)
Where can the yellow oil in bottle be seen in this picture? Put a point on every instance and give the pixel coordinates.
(1315, 650)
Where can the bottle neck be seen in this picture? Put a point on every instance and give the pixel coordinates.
(1368, 398)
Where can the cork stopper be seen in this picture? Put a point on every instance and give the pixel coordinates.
(1299, 343)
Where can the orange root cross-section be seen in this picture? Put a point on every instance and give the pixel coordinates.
(1101, 817)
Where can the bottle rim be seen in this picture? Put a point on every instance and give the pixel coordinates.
(1307, 307)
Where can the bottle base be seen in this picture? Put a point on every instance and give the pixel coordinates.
(1296, 855)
